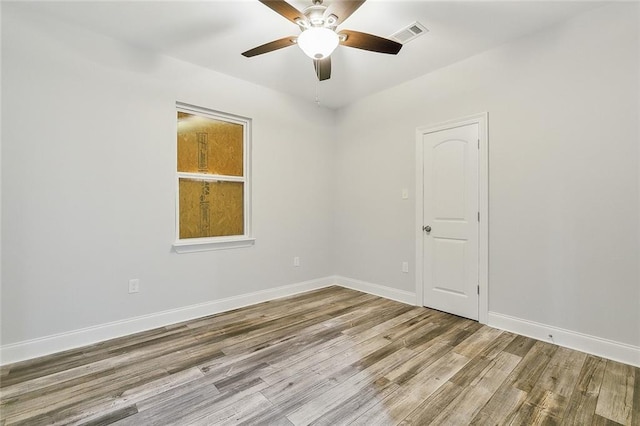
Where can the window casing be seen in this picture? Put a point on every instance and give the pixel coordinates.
(213, 185)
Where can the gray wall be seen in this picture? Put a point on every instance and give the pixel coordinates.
(88, 175)
(564, 189)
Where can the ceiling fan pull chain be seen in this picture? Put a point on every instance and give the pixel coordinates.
(317, 97)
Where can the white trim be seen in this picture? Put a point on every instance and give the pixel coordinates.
(605, 348)
(20, 351)
(483, 206)
(419, 219)
(210, 178)
(191, 245)
(377, 290)
(238, 119)
(86, 336)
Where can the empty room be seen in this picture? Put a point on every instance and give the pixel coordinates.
(269, 212)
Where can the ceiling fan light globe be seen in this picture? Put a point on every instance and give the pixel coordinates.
(318, 43)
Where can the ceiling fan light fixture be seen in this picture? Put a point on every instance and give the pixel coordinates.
(318, 42)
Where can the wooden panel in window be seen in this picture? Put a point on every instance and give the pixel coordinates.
(211, 209)
(206, 145)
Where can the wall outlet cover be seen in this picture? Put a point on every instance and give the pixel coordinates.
(134, 285)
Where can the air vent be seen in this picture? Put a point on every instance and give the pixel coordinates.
(409, 32)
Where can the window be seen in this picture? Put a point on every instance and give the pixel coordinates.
(212, 175)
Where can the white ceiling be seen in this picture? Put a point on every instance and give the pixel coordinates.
(214, 33)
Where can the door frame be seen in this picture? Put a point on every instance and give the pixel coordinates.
(483, 206)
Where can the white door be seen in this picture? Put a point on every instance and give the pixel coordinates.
(450, 220)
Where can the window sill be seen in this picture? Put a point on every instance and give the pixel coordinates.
(207, 244)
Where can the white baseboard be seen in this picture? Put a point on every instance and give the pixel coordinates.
(21, 351)
(605, 348)
(86, 336)
(407, 297)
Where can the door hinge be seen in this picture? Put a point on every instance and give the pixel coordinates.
(478, 216)
(478, 143)
(478, 289)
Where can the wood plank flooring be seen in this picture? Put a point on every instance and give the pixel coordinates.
(328, 357)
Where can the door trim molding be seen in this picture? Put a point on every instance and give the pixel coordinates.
(483, 205)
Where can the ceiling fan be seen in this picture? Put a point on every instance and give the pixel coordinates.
(319, 37)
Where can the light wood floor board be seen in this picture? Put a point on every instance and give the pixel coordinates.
(334, 356)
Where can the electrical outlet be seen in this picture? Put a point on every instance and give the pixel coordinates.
(134, 285)
(405, 194)
(296, 261)
(405, 267)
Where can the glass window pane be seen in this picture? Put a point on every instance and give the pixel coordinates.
(206, 145)
(211, 209)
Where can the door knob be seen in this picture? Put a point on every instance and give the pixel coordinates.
(426, 228)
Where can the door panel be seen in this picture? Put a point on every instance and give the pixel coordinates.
(450, 276)
(448, 174)
(449, 265)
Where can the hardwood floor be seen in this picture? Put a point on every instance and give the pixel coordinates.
(329, 357)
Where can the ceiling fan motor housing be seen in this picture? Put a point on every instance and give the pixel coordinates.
(315, 15)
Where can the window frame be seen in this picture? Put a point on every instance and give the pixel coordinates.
(188, 245)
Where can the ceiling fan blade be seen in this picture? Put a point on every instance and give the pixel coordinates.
(323, 68)
(283, 8)
(370, 42)
(342, 9)
(271, 46)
